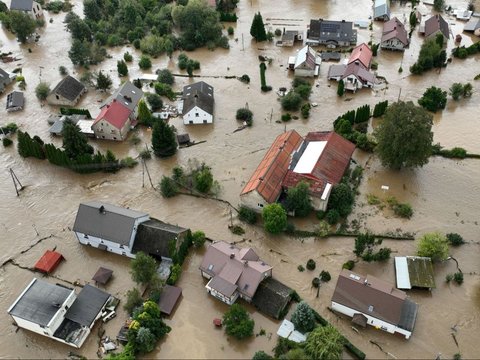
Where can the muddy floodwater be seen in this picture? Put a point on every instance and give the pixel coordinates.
(445, 194)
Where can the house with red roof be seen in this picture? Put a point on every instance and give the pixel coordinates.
(394, 36)
(362, 55)
(319, 159)
(113, 122)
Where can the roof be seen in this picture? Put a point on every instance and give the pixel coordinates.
(57, 126)
(374, 297)
(49, 261)
(394, 29)
(414, 271)
(198, 94)
(472, 25)
(306, 56)
(381, 8)
(169, 298)
(287, 331)
(15, 99)
(24, 5)
(106, 221)
(87, 305)
(336, 70)
(39, 302)
(329, 29)
(360, 72)
(69, 88)
(272, 297)
(230, 269)
(330, 56)
(267, 177)
(362, 54)
(4, 77)
(102, 275)
(435, 23)
(127, 94)
(115, 113)
(183, 138)
(153, 237)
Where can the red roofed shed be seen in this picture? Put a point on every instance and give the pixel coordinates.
(49, 261)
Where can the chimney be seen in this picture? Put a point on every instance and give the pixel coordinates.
(245, 263)
(232, 255)
(101, 210)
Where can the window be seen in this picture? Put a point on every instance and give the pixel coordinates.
(196, 114)
(210, 267)
(370, 308)
(124, 253)
(114, 138)
(121, 247)
(58, 97)
(260, 205)
(204, 121)
(190, 122)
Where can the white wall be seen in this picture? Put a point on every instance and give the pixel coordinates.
(111, 246)
(202, 118)
(304, 72)
(221, 297)
(393, 44)
(383, 325)
(104, 130)
(253, 200)
(57, 319)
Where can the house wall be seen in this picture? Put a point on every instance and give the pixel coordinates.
(393, 44)
(353, 83)
(304, 72)
(380, 324)
(57, 99)
(205, 275)
(253, 200)
(37, 10)
(111, 246)
(318, 204)
(202, 118)
(221, 297)
(104, 130)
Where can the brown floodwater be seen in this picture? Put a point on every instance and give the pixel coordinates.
(445, 194)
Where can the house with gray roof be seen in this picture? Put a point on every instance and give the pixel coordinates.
(198, 103)
(331, 33)
(233, 272)
(381, 10)
(30, 7)
(129, 96)
(67, 92)
(5, 79)
(372, 301)
(15, 101)
(57, 312)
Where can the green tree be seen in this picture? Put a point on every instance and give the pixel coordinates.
(455, 239)
(341, 199)
(433, 245)
(204, 180)
(237, 322)
(164, 90)
(412, 20)
(295, 354)
(42, 90)
(433, 99)
(257, 30)
(155, 101)
(145, 341)
(127, 57)
(20, 23)
(404, 137)
(261, 355)
(247, 215)
(245, 114)
(75, 143)
(145, 63)
(133, 300)
(274, 218)
(143, 268)
(467, 89)
(91, 10)
(303, 318)
(198, 239)
(144, 115)
(341, 88)
(104, 82)
(79, 52)
(298, 199)
(438, 5)
(79, 29)
(324, 343)
(122, 68)
(168, 187)
(291, 101)
(164, 141)
(165, 76)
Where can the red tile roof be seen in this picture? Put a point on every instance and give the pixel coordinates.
(49, 261)
(267, 178)
(115, 113)
(363, 54)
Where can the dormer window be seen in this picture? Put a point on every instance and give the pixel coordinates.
(210, 267)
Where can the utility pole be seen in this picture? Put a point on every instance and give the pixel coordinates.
(399, 93)
(243, 44)
(15, 182)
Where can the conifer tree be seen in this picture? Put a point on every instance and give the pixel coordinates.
(74, 142)
(103, 81)
(164, 142)
(257, 29)
(122, 68)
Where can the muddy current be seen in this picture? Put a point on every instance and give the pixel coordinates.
(445, 194)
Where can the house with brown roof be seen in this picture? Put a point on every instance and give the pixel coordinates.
(372, 301)
(320, 159)
(437, 25)
(394, 35)
(233, 272)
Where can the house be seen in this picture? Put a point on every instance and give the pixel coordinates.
(125, 231)
(290, 37)
(81, 121)
(414, 272)
(331, 33)
(27, 6)
(5, 79)
(394, 35)
(15, 101)
(306, 63)
(381, 10)
(473, 25)
(129, 96)
(198, 103)
(67, 92)
(320, 159)
(57, 312)
(361, 54)
(437, 25)
(371, 301)
(287, 331)
(233, 272)
(113, 122)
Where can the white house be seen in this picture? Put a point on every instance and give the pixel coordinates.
(374, 302)
(27, 6)
(306, 63)
(57, 312)
(198, 103)
(394, 35)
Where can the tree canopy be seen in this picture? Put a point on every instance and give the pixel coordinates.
(324, 343)
(341, 199)
(433, 245)
(237, 322)
(143, 268)
(405, 136)
(298, 199)
(20, 23)
(274, 218)
(75, 143)
(257, 30)
(303, 318)
(164, 141)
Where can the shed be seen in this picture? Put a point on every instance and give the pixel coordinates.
(49, 261)
(272, 298)
(183, 139)
(169, 298)
(287, 331)
(414, 272)
(102, 275)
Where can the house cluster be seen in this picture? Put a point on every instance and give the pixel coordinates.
(319, 159)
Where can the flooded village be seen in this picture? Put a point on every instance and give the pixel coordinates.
(444, 193)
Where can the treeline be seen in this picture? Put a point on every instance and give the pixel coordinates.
(463, 52)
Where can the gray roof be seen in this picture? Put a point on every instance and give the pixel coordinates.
(408, 315)
(360, 72)
(329, 29)
(15, 99)
(4, 78)
(127, 94)
(223, 286)
(336, 70)
(69, 88)
(114, 223)
(199, 94)
(57, 126)
(153, 237)
(381, 8)
(25, 5)
(87, 305)
(40, 302)
(472, 25)
(272, 297)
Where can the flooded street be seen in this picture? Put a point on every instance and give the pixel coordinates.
(445, 194)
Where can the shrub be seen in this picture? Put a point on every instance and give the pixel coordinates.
(165, 76)
(245, 79)
(403, 210)
(143, 268)
(42, 90)
(458, 278)
(325, 276)
(341, 199)
(237, 230)
(274, 218)
(316, 282)
(261, 355)
(128, 162)
(433, 245)
(467, 90)
(244, 114)
(449, 278)
(278, 32)
(291, 101)
(168, 187)
(230, 30)
(238, 323)
(332, 216)
(127, 57)
(286, 117)
(164, 90)
(456, 91)
(134, 300)
(433, 99)
(145, 154)
(455, 239)
(303, 318)
(247, 215)
(311, 264)
(198, 239)
(145, 63)
(6, 142)
(204, 180)
(122, 68)
(349, 265)
(62, 70)
(175, 272)
(300, 268)
(155, 101)
(305, 110)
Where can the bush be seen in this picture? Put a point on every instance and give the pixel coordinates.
(245, 114)
(325, 276)
(164, 90)
(127, 57)
(122, 68)
(204, 180)
(458, 278)
(286, 117)
(349, 265)
(6, 142)
(143, 268)
(238, 323)
(433, 99)
(433, 245)
(449, 278)
(274, 218)
(175, 272)
(128, 162)
(261, 355)
(155, 101)
(316, 282)
(291, 101)
(134, 300)
(341, 199)
(230, 30)
(165, 76)
(198, 239)
(305, 110)
(332, 216)
(303, 318)
(168, 187)
(311, 264)
(42, 90)
(455, 239)
(300, 268)
(247, 215)
(403, 210)
(245, 79)
(145, 63)
(456, 91)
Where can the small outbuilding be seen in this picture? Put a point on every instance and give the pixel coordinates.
(287, 331)
(414, 272)
(169, 298)
(102, 276)
(15, 101)
(381, 10)
(49, 261)
(272, 298)
(67, 92)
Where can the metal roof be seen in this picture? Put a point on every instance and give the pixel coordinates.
(381, 8)
(15, 99)
(127, 94)
(414, 271)
(39, 302)
(49, 261)
(24, 5)
(401, 273)
(87, 305)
